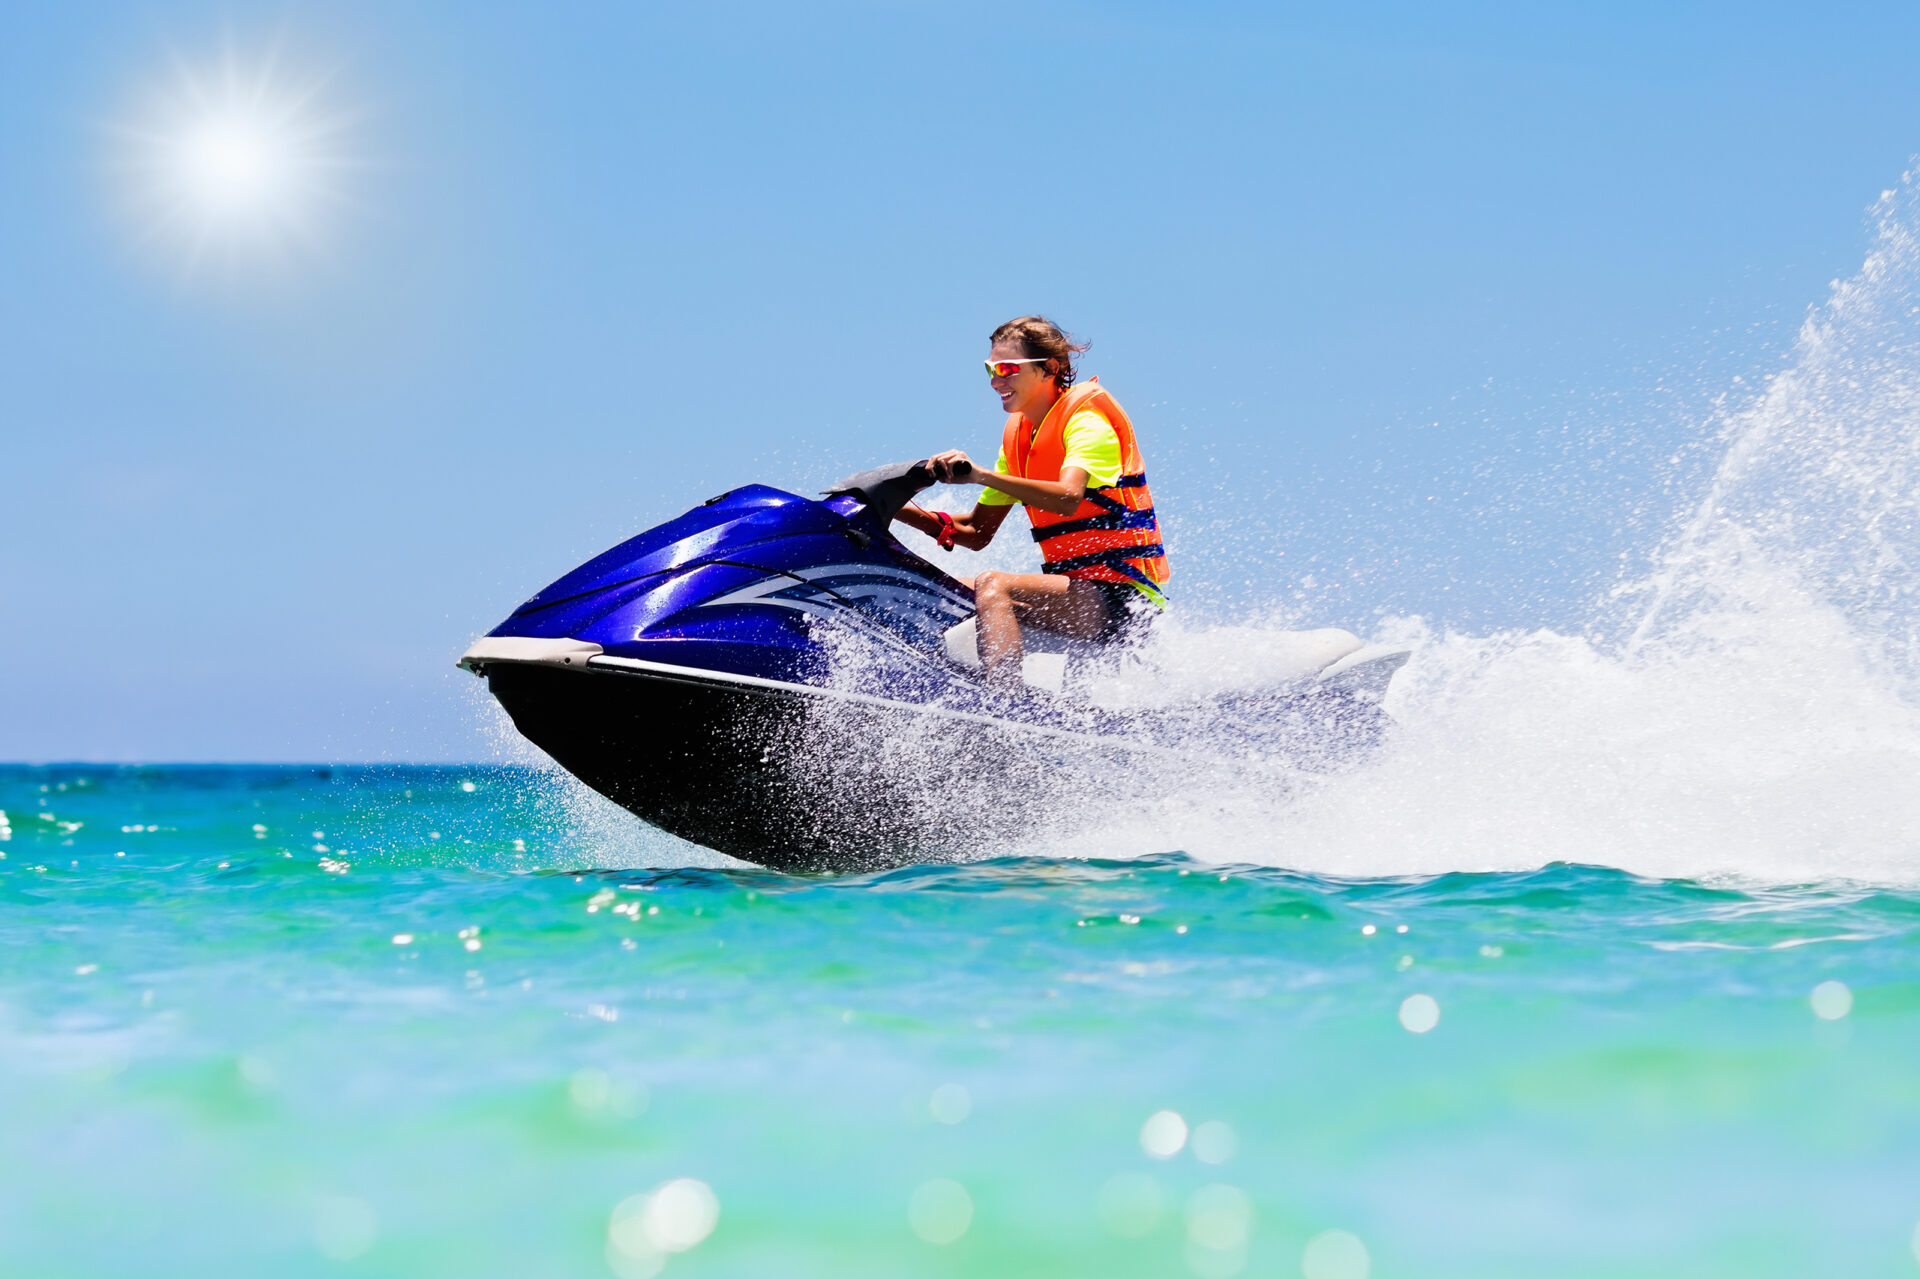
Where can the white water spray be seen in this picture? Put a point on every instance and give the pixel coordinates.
(1757, 718)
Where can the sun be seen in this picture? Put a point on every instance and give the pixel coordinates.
(233, 169)
(240, 161)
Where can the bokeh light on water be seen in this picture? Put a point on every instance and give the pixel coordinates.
(1164, 1134)
(1219, 1223)
(1335, 1254)
(940, 1210)
(1831, 1000)
(645, 1229)
(343, 1227)
(950, 1104)
(1214, 1142)
(1420, 1013)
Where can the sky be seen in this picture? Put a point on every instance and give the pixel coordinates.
(1419, 310)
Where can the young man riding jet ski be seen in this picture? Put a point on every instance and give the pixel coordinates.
(757, 674)
(1067, 454)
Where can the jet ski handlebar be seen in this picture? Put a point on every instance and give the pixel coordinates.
(885, 489)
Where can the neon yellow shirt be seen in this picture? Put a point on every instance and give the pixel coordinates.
(1094, 446)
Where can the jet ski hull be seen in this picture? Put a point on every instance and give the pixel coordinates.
(800, 778)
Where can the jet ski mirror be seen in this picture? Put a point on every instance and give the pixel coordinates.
(885, 489)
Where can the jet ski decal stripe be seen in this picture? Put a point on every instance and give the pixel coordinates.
(890, 605)
(849, 584)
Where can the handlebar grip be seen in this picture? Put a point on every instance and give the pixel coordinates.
(962, 469)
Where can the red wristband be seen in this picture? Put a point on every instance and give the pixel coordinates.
(945, 535)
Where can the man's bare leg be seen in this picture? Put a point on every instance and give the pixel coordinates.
(1064, 605)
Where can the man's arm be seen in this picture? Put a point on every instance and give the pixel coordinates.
(972, 531)
(1060, 497)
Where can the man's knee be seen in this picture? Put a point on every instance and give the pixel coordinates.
(990, 588)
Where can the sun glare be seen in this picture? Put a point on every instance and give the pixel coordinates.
(230, 166)
(240, 162)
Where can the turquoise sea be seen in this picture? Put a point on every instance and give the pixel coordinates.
(404, 1021)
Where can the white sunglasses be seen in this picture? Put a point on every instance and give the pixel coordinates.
(1005, 368)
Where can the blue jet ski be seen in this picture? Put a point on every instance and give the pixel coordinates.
(782, 680)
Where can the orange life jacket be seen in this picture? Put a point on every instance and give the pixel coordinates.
(1112, 536)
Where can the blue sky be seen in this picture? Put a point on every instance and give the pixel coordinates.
(1415, 307)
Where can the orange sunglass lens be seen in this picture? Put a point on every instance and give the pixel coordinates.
(1001, 368)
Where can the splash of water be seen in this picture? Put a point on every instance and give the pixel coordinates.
(1757, 717)
(1819, 492)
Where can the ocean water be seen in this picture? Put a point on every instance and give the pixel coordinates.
(391, 1021)
(1605, 965)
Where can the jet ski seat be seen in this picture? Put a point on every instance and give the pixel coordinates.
(1047, 653)
(1328, 656)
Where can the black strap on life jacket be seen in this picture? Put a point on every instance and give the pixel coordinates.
(1112, 520)
(1118, 514)
(1115, 559)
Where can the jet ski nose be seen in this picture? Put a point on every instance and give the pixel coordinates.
(489, 649)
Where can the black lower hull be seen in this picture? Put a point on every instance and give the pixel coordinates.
(792, 780)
